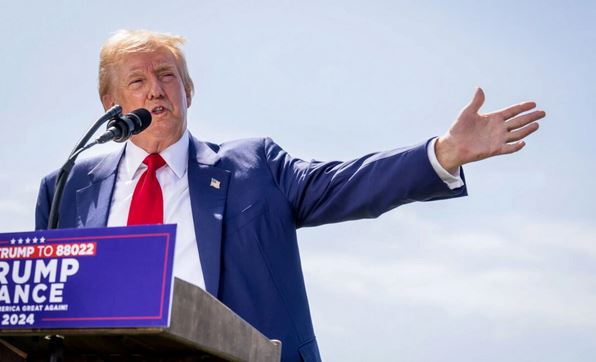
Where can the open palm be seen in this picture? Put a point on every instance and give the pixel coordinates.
(474, 136)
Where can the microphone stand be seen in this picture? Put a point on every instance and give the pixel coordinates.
(56, 348)
(68, 165)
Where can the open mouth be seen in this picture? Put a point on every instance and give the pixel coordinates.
(158, 110)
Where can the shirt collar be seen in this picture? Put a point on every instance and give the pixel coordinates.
(176, 157)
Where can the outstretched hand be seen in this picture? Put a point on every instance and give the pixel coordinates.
(473, 136)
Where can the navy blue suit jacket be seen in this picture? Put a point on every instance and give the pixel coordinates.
(246, 229)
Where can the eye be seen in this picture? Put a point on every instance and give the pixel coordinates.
(135, 81)
(168, 75)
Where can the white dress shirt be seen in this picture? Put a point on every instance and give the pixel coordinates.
(452, 181)
(173, 179)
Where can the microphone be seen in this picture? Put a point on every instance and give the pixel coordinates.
(122, 128)
(115, 111)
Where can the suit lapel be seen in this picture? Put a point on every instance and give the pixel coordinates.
(208, 186)
(93, 201)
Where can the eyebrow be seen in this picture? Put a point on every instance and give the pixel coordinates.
(162, 67)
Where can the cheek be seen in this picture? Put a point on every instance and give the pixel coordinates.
(139, 92)
(177, 94)
(132, 98)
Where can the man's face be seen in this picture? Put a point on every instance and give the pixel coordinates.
(151, 81)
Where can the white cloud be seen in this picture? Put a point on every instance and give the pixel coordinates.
(530, 274)
(17, 205)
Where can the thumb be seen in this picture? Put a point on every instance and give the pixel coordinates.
(477, 101)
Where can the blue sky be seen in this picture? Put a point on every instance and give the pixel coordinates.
(504, 274)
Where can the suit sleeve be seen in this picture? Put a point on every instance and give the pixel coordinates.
(366, 187)
(42, 208)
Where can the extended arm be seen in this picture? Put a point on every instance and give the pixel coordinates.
(327, 192)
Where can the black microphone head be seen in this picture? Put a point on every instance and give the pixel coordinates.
(115, 111)
(122, 127)
(142, 119)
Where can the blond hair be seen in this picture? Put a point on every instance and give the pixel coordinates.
(126, 42)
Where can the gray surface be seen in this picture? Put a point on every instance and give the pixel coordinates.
(200, 319)
(201, 328)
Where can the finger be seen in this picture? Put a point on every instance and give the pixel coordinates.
(513, 111)
(522, 133)
(523, 120)
(477, 101)
(512, 147)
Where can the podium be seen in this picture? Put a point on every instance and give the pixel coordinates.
(201, 329)
(108, 294)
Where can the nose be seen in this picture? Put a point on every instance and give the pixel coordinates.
(155, 88)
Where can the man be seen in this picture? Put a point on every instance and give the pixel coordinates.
(238, 204)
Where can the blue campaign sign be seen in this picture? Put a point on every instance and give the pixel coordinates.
(87, 278)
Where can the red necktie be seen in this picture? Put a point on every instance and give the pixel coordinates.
(146, 206)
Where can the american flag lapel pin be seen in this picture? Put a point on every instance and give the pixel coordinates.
(215, 183)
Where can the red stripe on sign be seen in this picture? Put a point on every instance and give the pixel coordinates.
(48, 251)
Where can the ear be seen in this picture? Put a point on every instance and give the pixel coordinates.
(188, 98)
(107, 101)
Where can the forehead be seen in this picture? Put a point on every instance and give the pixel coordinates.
(146, 61)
